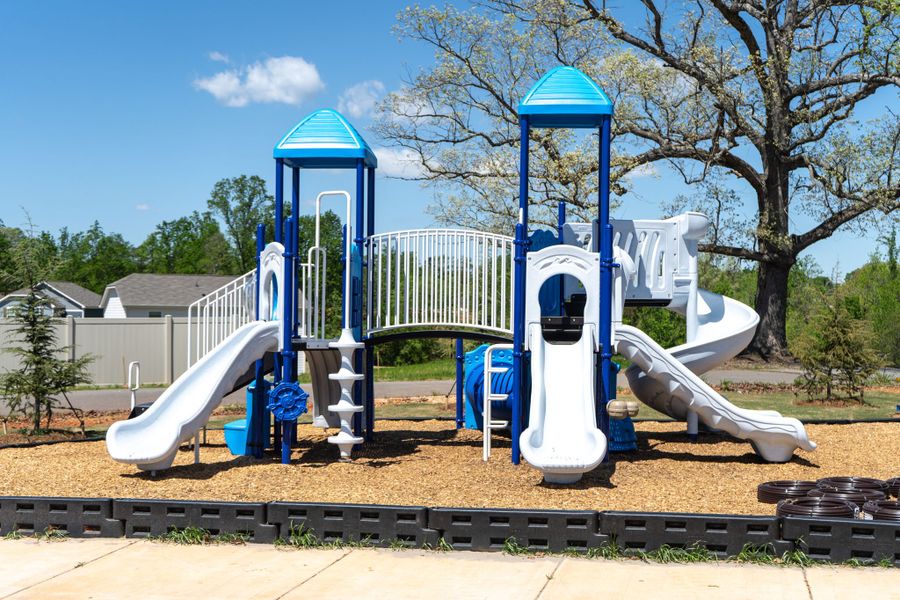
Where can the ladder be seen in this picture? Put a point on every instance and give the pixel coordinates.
(489, 423)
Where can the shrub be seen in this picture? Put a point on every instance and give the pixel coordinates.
(836, 351)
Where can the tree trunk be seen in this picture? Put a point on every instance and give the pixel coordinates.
(770, 341)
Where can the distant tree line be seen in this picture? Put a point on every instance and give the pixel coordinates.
(220, 240)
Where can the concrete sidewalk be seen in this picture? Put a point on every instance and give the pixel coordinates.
(119, 568)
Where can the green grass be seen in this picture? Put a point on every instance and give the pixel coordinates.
(878, 405)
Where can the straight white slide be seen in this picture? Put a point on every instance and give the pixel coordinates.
(772, 436)
(151, 440)
(562, 439)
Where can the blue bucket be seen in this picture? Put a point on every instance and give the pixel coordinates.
(236, 437)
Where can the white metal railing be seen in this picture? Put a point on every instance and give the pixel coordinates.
(217, 315)
(311, 278)
(440, 277)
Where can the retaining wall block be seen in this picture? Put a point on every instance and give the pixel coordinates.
(538, 530)
(723, 535)
(145, 518)
(839, 540)
(78, 517)
(374, 524)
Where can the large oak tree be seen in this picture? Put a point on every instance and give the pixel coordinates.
(755, 101)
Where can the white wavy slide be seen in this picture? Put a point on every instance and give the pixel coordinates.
(151, 440)
(669, 381)
(562, 439)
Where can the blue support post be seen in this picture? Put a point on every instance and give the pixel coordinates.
(287, 352)
(295, 213)
(606, 267)
(460, 417)
(279, 237)
(560, 228)
(360, 241)
(369, 381)
(279, 199)
(520, 242)
(257, 424)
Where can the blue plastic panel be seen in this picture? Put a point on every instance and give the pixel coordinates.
(324, 140)
(565, 97)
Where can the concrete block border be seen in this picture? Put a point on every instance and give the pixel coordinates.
(479, 529)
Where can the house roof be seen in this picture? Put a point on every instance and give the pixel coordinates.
(324, 140)
(151, 289)
(78, 295)
(565, 97)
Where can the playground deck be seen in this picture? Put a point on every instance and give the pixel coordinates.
(431, 463)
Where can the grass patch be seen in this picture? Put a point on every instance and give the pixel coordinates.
(511, 546)
(189, 536)
(666, 554)
(53, 534)
(760, 554)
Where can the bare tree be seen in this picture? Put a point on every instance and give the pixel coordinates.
(756, 95)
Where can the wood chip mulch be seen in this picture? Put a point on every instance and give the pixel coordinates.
(430, 463)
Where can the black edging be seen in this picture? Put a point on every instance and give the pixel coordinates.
(481, 529)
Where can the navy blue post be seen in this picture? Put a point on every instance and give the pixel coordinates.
(279, 199)
(520, 242)
(360, 240)
(606, 267)
(370, 355)
(295, 213)
(287, 353)
(560, 230)
(460, 417)
(257, 426)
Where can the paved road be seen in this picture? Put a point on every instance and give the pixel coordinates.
(107, 400)
(120, 568)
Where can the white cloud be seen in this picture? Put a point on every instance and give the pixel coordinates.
(284, 79)
(399, 162)
(641, 171)
(217, 56)
(359, 100)
(142, 206)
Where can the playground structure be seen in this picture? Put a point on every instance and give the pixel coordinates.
(558, 297)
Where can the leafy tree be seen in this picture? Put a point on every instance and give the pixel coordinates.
(242, 202)
(94, 258)
(837, 351)
(193, 244)
(875, 290)
(9, 236)
(758, 96)
(32, 388)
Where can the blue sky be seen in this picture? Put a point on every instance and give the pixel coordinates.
(128, 113)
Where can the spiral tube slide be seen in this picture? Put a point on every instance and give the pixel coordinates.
(151, 440)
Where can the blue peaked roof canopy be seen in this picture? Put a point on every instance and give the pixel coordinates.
(324, 140)
(565, 97)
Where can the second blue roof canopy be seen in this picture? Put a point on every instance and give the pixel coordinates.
(565, 97)
(324, 140)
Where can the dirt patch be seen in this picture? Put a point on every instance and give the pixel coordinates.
(431, 463)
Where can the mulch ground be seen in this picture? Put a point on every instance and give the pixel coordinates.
(431, 463)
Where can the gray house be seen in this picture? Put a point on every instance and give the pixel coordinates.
(67, 300)
(152, 295)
